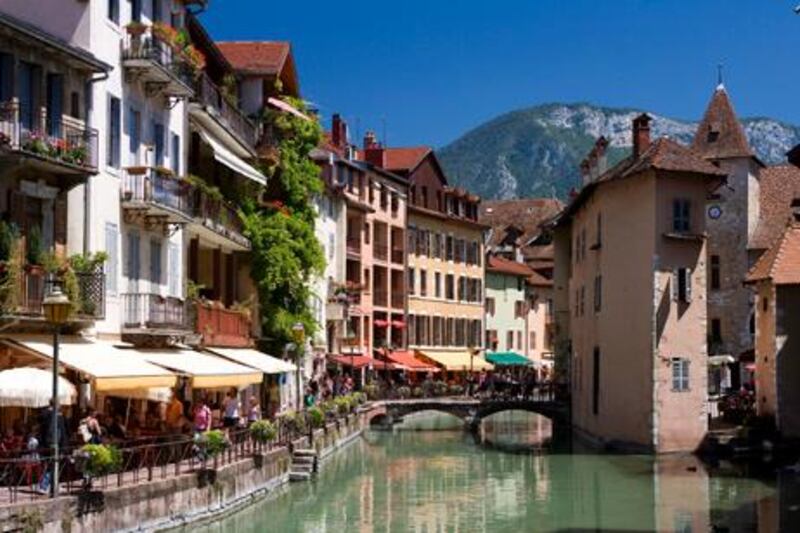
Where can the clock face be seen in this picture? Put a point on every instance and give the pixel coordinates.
(715, 212)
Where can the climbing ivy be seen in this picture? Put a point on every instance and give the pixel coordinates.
(285, 251)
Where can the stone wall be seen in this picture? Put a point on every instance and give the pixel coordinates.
(177, 500)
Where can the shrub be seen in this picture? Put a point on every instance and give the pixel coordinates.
(404, 392)
(343, 404)
(372, 391)
(214, 442)
(101, 459)
(416, 392)
(456, 390)
(328, 407)
(439, 388)
(293, 421)
(316, 417)
(358, 398)
(263, 431)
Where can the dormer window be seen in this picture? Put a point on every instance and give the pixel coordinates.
(713, 132)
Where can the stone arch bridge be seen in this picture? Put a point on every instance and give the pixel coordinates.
(472, 411)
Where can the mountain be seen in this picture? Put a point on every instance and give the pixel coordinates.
(536, 151)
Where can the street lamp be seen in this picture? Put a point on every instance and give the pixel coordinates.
(299, 334)
(56, 311)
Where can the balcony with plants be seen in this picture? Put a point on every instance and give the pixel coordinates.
(58, 144)
(163, 58)
(214, 217)
(28, 273)
(155, 193)
(222, 102)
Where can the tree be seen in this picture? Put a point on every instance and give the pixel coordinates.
(286, 254)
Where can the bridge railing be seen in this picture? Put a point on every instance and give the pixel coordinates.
(544, 392)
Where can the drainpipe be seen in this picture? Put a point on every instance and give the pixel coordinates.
(87, 188)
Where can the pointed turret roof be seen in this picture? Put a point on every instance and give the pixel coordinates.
(720, 134)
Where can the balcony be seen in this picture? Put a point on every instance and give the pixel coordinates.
(218, 104)
(380, 251)
(354, 246)
(150, 56)
(221, 327)
(88, 298)
(62, 145)
(147, 311)
(154, 195)
(217, 221)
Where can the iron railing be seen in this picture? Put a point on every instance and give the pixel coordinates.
(63, 139)
(219, 216)
(209, 95)
(35, 283)
(156, 186)
(153, 311)
(152, 48)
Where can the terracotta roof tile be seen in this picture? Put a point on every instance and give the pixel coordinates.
(256, 57)
(720, 134)
(525, 215)
(781, 263)
(506, 266)
(779, 185)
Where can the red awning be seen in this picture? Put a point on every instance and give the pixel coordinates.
(411, 363)
(360, 361)
(381, 323)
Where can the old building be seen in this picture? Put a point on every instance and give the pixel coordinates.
(445, 250)
(630, 296)
(776, 280)
(732, 217)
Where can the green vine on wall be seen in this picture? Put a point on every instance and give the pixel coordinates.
(286, 253)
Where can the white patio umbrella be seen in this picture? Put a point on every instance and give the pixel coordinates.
(32, 387)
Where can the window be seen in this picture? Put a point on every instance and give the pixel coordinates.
(423, 282)
(598, 293)
(583, 299)
(114, 131)
(55, 103)
(175, 153)
(412, 240)
(136, 10)
(366, 232)
(715, 274)
(133, 260)
(519, 309)
(449, 287)
(113, 11)
(174, 266)
(112, 235)
(765, 304)
(681, 222)
(680, 374)
(74, 104)
(158, 142)
(450, 252)
(491, 339)
(599, 237)
(157, 14)
(412, 286)
(155, 261)
(682, 285)
(490, 306)
(509, 340)
(134, 135)
(519, 340)
(533, 340)
(437, 282)
(596, 381)
(6, 77)
(716, 330)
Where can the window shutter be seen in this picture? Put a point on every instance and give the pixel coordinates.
(111, 264)
(60, 222)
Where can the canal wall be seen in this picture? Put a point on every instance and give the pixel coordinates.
(179, 500)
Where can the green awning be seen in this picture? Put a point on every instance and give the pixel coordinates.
(507, 359)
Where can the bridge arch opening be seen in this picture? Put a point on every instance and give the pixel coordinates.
(430, 419)
(516, 428)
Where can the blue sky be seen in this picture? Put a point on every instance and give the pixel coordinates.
(434, 69)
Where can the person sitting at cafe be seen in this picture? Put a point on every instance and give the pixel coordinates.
(117, 429)
(11, 443)
(231, 407)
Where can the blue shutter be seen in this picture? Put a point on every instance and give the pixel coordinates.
(158, 141)
(113, 258)
(176, 154)
(55, 104)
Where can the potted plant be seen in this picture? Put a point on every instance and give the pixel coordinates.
(209, 445)
(94, 461)
(262, 432)
(316, 417)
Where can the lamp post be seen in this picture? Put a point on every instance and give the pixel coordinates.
(299, 334)
(56, 311)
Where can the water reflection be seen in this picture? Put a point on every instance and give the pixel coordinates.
(441, 481)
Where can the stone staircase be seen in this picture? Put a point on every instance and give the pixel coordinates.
(305, 463)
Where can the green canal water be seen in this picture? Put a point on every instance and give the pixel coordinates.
(440, 480)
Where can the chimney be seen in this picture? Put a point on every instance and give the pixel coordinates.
(585, 171)
(600, 150)
(338, 131)
(641, 134)
(374, 154)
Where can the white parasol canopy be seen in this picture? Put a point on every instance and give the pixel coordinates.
(32, 387)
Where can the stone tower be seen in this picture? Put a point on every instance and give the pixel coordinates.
(732, 213)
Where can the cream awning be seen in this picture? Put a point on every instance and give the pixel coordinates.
(206, 370)
(255, 359)
(231, 160)
(110, 368)
(456, 360)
